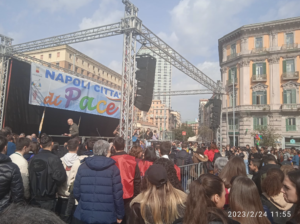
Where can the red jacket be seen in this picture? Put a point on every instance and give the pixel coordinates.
(178, 172)
(126, 165)
(211, 153)
(143, 166)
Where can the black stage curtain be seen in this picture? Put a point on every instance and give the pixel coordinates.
(23, 117)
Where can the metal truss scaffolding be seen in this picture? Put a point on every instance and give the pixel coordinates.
(183, 92)
(133, 30)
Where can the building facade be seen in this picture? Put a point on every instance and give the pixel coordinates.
(194, 125)
(163, 77)
(177, 118)
(202, 103)
(260, 66)
(69, 58)
(158, 115)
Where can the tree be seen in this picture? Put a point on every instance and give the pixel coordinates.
(205, 134)
(178, 133)
(269, 136)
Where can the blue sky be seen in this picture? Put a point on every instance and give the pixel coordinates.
(191, 27)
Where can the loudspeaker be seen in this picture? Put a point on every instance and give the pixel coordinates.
(145, 75)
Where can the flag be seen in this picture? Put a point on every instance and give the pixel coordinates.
(42, 121)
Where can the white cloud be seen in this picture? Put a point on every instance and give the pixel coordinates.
(57, 5)
(116, 66)
(107, 51)
(106, 13)
(16, 36)
(282, 10)
(198, 24)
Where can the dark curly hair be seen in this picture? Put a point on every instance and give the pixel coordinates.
(172, 175)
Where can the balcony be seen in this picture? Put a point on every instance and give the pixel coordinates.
(258, 50)
(233, 55)
(230, 82)
(291, 128)
(259, 78)
(289, 46)
(290, 76)
(251, 108)
(290, 107)
(231, 127)
(258, 127)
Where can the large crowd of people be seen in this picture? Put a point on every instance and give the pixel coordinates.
(100, 182)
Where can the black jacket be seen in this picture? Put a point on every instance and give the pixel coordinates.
(11, 185)
(46, 172)
(172, 155)
(183, 158)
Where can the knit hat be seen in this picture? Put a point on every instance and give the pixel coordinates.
(157, 175)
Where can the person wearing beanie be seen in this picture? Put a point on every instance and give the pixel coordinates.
(160, 202)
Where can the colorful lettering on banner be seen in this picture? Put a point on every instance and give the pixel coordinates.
(52, 88)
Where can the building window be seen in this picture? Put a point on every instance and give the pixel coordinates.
(259, 71)
(233, 49)
(82, 71)
(260, 122)
(289, 38)
(42, 57)
(76, 59)
(58, 54)
(232, 74)
(70, 56)
(259, 97)
(50, 55)
(57, 64)
(289, 96)
(258, 42)
(93, 67)
(236, 124)
(88, 65)
(82, 62)
(288, 66)
(76, 69)
(290, 124)
(232, 100)
(70, 65)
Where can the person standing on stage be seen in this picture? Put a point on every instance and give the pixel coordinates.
(74, 130)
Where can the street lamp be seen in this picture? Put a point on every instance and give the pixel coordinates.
(233, 107)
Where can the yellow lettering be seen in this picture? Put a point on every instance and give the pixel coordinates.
(98, 106)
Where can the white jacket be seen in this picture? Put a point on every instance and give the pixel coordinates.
(22, 163)
(63, 190)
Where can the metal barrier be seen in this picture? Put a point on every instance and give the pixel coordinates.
(189, 173)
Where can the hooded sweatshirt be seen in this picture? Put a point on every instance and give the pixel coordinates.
(67, 160)
(281, 210)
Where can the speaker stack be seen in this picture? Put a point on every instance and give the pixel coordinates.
(145, 75)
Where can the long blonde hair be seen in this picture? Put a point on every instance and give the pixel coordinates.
(161, 205)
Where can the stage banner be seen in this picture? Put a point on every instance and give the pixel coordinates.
(53, 88)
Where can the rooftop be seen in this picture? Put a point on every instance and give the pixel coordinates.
(269, 25)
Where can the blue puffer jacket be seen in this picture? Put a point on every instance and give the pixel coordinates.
(99, 191)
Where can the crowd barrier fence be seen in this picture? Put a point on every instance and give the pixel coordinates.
(189, 173)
